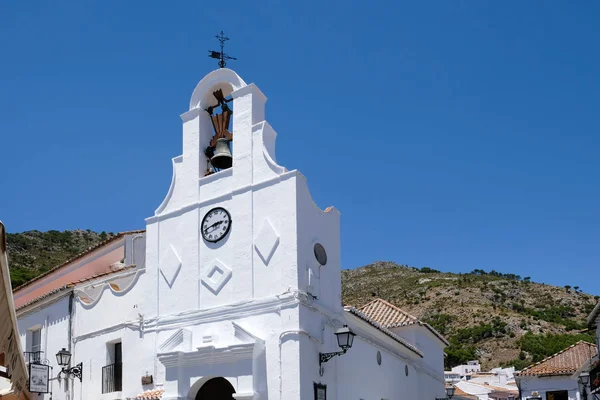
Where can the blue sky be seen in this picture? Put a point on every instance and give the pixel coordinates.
(450, 134)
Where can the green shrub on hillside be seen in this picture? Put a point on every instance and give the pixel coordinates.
(539, 347)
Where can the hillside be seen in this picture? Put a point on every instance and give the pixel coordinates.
(494, 317)
(32, 253)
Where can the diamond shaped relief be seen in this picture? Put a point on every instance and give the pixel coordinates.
(215, 276)
(266, 241)
(170, 264)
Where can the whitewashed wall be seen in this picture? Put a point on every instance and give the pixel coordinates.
(360, 377)
(431, 366)
(549, 384)
(53, 319)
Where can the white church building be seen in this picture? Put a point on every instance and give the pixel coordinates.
(233, 290)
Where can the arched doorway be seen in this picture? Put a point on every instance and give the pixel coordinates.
(216, 389)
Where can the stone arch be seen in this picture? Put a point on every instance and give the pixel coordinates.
(217, 388)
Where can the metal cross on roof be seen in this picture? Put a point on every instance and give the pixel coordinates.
(221, 56)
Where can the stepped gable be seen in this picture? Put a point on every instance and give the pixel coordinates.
(565, 362)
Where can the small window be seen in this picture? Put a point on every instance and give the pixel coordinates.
(112, 374)
(36, 340)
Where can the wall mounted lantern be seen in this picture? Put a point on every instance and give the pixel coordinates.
(584, 380)
(449, 393)
(345, 337)
(63, 358)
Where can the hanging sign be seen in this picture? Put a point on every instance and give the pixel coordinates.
(39, 375)
(320, 391)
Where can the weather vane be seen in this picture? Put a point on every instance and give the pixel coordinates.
(221, 56)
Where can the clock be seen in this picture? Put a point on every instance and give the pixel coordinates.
(215, 224)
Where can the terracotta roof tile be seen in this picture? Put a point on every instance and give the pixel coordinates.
(386, 313)
(78, 256)
(458, 392)
(382, 328)
(390, 316)
(153, 394)
(565, 362)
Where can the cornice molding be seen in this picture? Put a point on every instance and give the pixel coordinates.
(229, 312)
(249, 89)
(182, 339)
(190, 115)
(234, 191)
(208, 355)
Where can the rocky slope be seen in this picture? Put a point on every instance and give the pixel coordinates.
(32, 253)
(494, 317)
(487, 315)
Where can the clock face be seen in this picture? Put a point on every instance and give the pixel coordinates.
(215, 224)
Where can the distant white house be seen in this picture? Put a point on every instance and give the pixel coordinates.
(452, 377)
(555, 377)
(471, 367)
(500, 377)
(486, 391)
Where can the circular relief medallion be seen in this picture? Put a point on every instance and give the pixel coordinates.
(378, 358)
(320, 253)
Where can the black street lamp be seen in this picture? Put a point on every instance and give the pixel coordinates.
(449, 393)
(63, 358)
(345, 338)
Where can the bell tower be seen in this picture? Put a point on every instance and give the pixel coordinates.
(235, 226)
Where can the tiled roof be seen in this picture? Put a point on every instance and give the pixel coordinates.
(78, 256)
(565, 362)
(153, 394)
(503, 394)
(390, 316)
(461, 394)
(382, 328)
(73, 284)
(387, 314)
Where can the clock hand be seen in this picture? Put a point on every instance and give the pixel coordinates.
(212, 226)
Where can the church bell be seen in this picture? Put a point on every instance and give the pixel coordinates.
(222, 158)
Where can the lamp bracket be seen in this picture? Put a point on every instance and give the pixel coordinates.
(76, 371)
(324, 357)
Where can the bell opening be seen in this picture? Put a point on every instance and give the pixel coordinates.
(222, 158)
(220, 108)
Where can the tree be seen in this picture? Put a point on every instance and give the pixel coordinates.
(567, 287)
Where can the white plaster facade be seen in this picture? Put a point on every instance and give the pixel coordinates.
(533, 386)
(471, 367)
(255, 308)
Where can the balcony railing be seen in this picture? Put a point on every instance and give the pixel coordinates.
(112, 378)
(33, 357)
